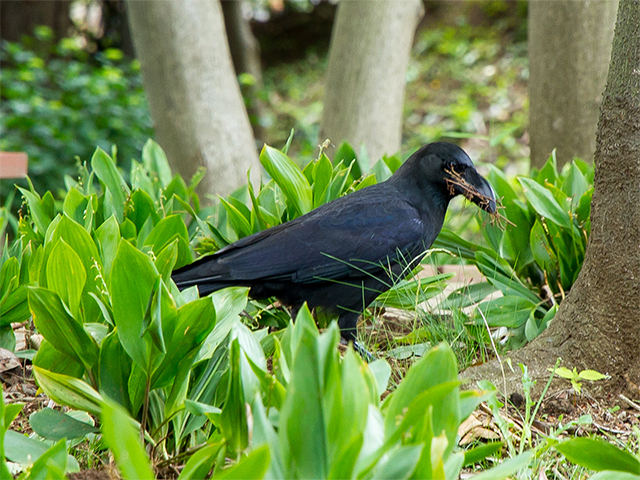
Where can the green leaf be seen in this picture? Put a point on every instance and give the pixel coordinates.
(509, 311)
(478, 454)
(467, 295)
(75, 205)
(598, 455)
(167, 230)
(140, 208)
(108, 236)
(544, 203)
(302, 422)
(506, 468)
(252, 466)
(68, 391)
(240, 224)
(122, 436)
(105, 169)
(322, 171)
(132, 278)
(66, 275)
(201, 462)
(114, 369)
(64, 332)
(48, 358)
(613, 475)
(155, 160)
(591, 375)
(39, 213)
(575, 184)
(399, 463)
(28, 452)
(289, 178)
(194, 322)
(56, 425)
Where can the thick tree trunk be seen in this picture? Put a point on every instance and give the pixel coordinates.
(598, 324)
(368, 61)
(245, 53)
(20, 17)
(569, 51)
(195, 100)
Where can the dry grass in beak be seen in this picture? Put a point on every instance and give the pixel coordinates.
(471, 194)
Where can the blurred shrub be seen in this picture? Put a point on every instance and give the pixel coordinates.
(58, 102)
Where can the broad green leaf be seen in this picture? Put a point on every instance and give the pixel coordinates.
(289, 178)
(155, 160)
(478, 454)
(64, 332)
(575, 184)
(506, 468)
(66, 275)
(132, 278)
(237, 220)
(14, 307)
(302, 422)
(193, 323)
(407, 294)
(614, 475)
(467, 295)
(121, 434)
(544, 203)
(141, 181)
(437, 367)
(598, 455)
(56, 425)
(39, 213)
(75, 205)
(399, 463)
(252, 466)
(27, 452)
(105, 169)
(108, 236)
(140, 208)
(509, 311)
(549, 172)
(322, 171)
(48, 358)
(201, 462)
(167, 230)
(591, 375)
(114, 370)
(166, 259)
(233, 419)
(68, 391)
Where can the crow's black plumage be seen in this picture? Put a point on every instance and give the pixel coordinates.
(342, 255)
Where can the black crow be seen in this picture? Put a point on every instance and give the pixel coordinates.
(342, 255)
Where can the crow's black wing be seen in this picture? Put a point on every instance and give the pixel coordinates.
(359, 230)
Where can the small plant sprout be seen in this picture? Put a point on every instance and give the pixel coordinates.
(577, 377)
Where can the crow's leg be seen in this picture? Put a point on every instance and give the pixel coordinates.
(348, 323)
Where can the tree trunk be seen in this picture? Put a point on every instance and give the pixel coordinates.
(569, 51)
(194, 97)
(245, 53)
(368, 61)
(20, 17)
(598, 324)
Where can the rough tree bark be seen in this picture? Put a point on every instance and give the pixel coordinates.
(368, 61)
(194, 97)
(20, 17)
(598, 324)
(245, 53)
(568, 71)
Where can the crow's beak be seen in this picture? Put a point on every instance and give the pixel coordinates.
(470, 184)
(479, 191)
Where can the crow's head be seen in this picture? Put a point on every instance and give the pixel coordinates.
(448, 168)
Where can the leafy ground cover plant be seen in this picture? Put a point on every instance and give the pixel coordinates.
(59, 101)
(536, 257)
